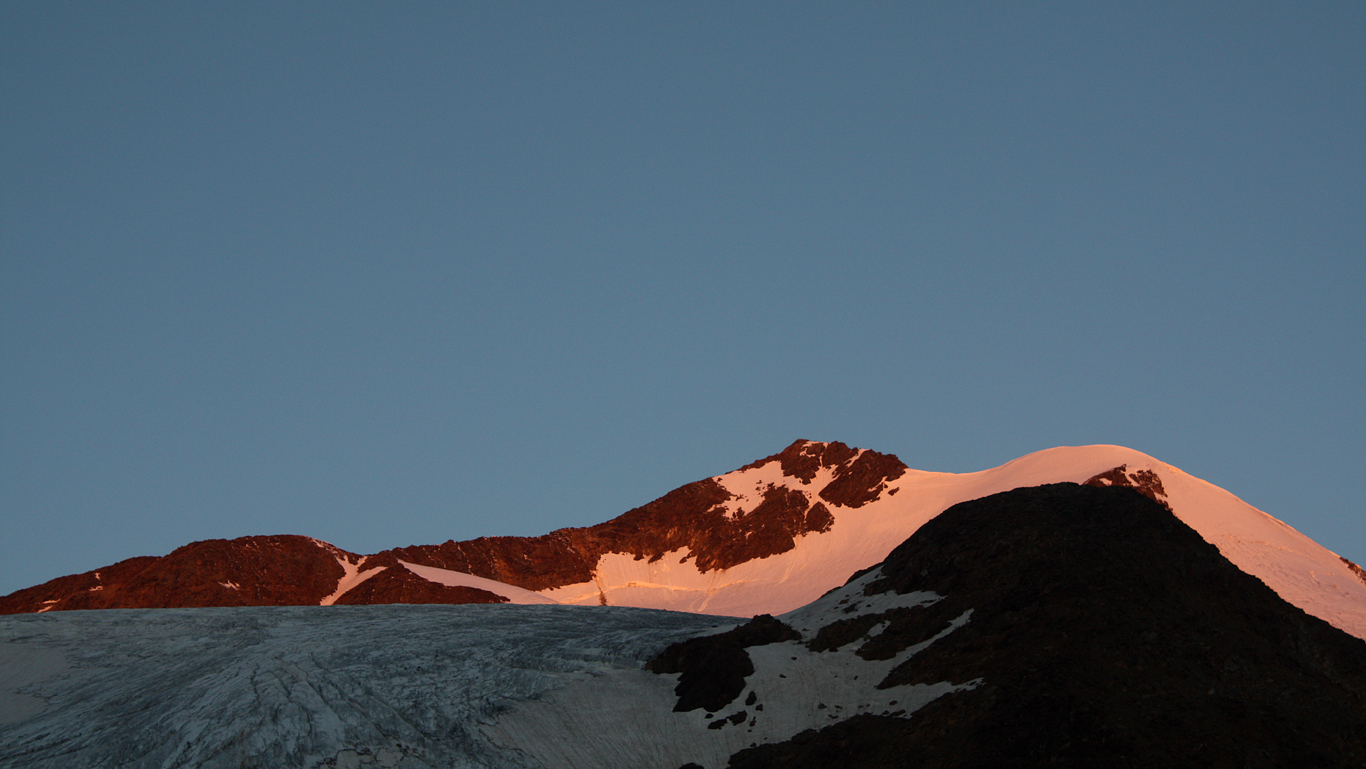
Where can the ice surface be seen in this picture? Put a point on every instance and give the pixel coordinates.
(20, 666)
(299, 686)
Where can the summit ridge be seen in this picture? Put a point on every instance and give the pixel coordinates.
(767, 538)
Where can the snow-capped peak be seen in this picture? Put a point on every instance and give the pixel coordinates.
(899, 501)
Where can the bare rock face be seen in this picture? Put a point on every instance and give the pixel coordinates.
(292, 570)
(1145, 482)
(692, 517)
(1357, 570)
(250, 571)
(533, 563)
(1103, 631)
(859, 476)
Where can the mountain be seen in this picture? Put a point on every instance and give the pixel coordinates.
(765, 539)
(1060, 625)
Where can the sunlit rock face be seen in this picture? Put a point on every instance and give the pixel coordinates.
(1060, 625)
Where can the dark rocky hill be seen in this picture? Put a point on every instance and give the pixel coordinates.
(1104, 632)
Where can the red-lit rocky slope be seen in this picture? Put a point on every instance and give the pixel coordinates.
(767, 538)
(295, 570)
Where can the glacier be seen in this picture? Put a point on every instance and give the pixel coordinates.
(501, 686)
(388, 686)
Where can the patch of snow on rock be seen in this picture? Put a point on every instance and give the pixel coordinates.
(848, 600)
(353, 576)
(460, 579)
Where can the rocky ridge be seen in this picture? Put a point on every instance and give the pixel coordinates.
(295, 570)
(764, 539)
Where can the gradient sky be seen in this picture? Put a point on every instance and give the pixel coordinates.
(388, 274)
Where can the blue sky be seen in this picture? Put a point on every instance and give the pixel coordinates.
(393, 274)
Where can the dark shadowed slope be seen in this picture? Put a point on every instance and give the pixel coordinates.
(1104, 631)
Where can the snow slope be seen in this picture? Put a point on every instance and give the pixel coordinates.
(460, 579)
(1303, 572)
